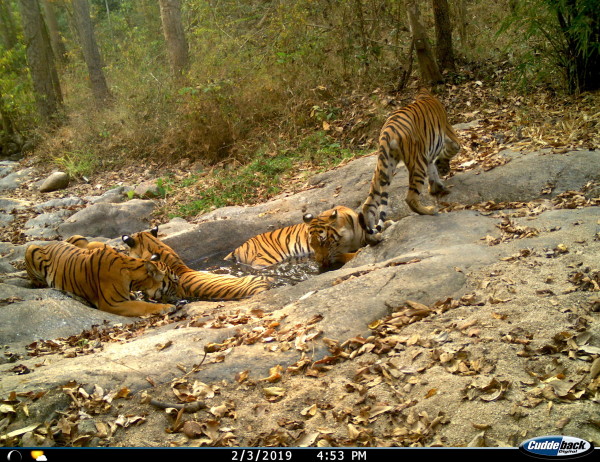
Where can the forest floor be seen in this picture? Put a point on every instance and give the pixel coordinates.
(353, 402)
(500, 119)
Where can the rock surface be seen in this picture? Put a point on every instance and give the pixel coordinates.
(474, 326)
(56, 181)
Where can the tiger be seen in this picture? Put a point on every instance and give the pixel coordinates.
(195, 284)
(420, 136)
(101, 276)
(335, 235)
(331, 238)
(273, 247)
(169, 283)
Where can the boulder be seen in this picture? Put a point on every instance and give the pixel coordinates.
(109, 220)
(56, 181)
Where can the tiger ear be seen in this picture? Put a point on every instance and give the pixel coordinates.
(308, 217)
(128, 240)
(154, 272)
(334, 214)
(154, 231)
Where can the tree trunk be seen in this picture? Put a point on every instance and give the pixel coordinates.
(170, 14)
(91, 54)
(40, 59)
(443, 35)
(56, 41)
(7, 26)
(430, 73)
(463, 23)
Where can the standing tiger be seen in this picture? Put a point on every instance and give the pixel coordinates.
(192, 283)
(273, 247)
(102, 276)
(335, 235)
(420, 136)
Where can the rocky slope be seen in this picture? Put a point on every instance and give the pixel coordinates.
(478, 326)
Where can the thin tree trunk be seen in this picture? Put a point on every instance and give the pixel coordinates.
(463, 22)
(430, 72)
(58, 46)
(443, 35)
(91, 53)
(170, 14)
(7, 25)
(40, 59)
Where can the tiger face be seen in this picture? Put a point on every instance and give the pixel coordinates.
(169, 282)
(335, 236)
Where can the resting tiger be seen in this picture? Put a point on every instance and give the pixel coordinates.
(192, 283)
(331, 238)
(420, 136)
(169, 283)
(335, 235)
(273, 247)
(102, 276)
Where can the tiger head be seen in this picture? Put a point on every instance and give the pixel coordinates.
(162, 283)
(335, 235)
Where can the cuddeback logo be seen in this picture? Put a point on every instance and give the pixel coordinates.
(549, 447)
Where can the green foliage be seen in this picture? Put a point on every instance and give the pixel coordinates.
(556, 40)
(266, 174)
(15, 86)
(78, 164)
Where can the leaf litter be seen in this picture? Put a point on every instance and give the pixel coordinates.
(425, 376)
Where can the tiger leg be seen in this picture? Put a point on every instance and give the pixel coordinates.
(415, 185)
(137, 308)
(436, 187)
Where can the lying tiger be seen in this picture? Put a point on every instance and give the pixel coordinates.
(336, 235)
(101, 275)
(420, 136)
(274, 247)
(192, 283)
(331, 238)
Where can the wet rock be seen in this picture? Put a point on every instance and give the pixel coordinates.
(56, 181)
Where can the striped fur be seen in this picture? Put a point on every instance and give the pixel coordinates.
(420, 136)
(168, 289)
(192, 283)
(335, 235)
(101, 276)
(273, 247)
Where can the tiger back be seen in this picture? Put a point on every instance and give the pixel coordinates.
(420, 136)
(270, 248)
(335, 235)
(101, 276)
(195, 284)
(167, 292)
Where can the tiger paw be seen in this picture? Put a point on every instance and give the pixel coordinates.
(438, 189)
(387, 224)
(374, 239)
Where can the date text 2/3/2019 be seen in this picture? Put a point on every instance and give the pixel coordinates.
(260, 455)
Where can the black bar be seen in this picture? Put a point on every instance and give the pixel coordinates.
(266, 454)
